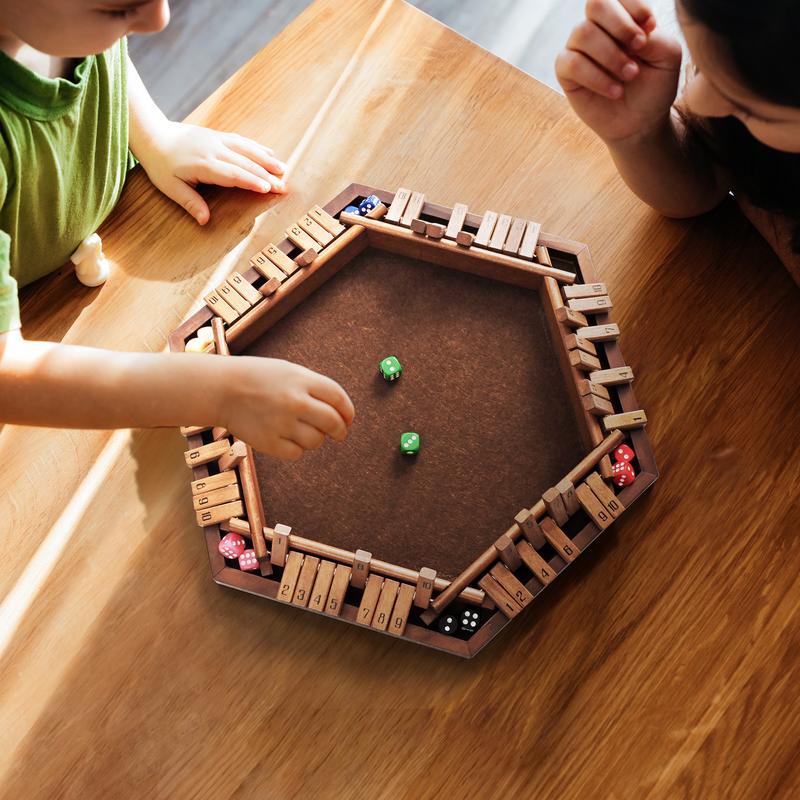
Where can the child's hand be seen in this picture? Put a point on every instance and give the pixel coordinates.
(619, 71)
(182, 155)
(283, 409)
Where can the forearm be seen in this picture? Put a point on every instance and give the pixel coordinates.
(673, 179)
(67, 386)
(145, 118)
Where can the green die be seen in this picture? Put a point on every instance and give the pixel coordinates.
(409, 443)
(391, 368)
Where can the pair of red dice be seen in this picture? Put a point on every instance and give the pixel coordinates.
(622, 473)
(232, 545)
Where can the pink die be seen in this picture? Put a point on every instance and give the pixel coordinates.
(624, 453)
(232, 545)
(248, 561)
(622, 473)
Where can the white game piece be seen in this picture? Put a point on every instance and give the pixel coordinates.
(205, 334)
(91, 265)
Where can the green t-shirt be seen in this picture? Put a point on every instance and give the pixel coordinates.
(63, 161)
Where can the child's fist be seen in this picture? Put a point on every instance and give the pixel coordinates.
(283, 409)
(182, 155)
(619, 71)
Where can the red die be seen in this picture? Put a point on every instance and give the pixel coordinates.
(232, 545)
(622, 473)
(248, 561)
(624, 453)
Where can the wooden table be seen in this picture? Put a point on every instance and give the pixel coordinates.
(664, 665)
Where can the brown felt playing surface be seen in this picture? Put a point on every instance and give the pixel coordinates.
(481, 385)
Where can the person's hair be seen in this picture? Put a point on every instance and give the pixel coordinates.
(760, 38)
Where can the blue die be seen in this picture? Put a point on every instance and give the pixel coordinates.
(368, 204)
(352, 210)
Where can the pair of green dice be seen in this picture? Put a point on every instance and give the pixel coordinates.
(392, 369)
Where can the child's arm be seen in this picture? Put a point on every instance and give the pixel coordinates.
(620, 74)
(277, 407)
(177, 156)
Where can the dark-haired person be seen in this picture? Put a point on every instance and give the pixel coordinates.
(735, 127)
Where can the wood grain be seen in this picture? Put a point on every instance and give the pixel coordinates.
(668, 652)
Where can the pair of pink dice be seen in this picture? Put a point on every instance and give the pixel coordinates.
(232, 545)
(622, 473)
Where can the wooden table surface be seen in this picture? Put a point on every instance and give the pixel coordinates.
(664, 664)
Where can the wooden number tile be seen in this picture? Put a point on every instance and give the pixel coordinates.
(193, 430)
(597, 406)
(424, 588)
(413, 209)
(398, 205)
(506, 551)
(291, 572)
(212, 516)
(220, 307)
(530, 240)
(341, 580)
(604, 494)
(212, 482)
(456, 221)
(280, 544)
(322, 585)
(402, 607)
(233, 456)
(587, 387)
(566, 489)
(572, 319)
(216, 497)
(305, 582)
(486, 229)
(433, 230)
(591, 305)
(245, 288)
(605, 468)
(369, 599)
(583, 361)
(306, 258)
(205, 453)
(315, 231)
(500, 232)
(562, 544)
(627, 421)
(233, 298)
(280, 259)
(269, 271)
(612, 377)
(543, 256)
(272, 285)
(299, 238)
(503, 600)
(530, 528)
(585, 290)
(541, 570)
(599, 333)
(383, 610)
(599, 514)
(324, 219)
(575, 342)
(419, 226)
(360, 568)
(465, 238)
(514, 238)
(555, 506)
(513, 586)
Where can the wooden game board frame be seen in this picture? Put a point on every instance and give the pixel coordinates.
(570, 262)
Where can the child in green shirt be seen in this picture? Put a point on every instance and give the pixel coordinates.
(72, 111)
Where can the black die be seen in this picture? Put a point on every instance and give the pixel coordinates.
(469, 621)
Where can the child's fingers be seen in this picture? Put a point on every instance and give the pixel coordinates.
(222, 173)
(185, 196)
(307, 436)
(249, 165)
(258, 153)
(618, 21)
(287, 450)
(576, 71)
(328, 391)
(325, 418)
(591, 40)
